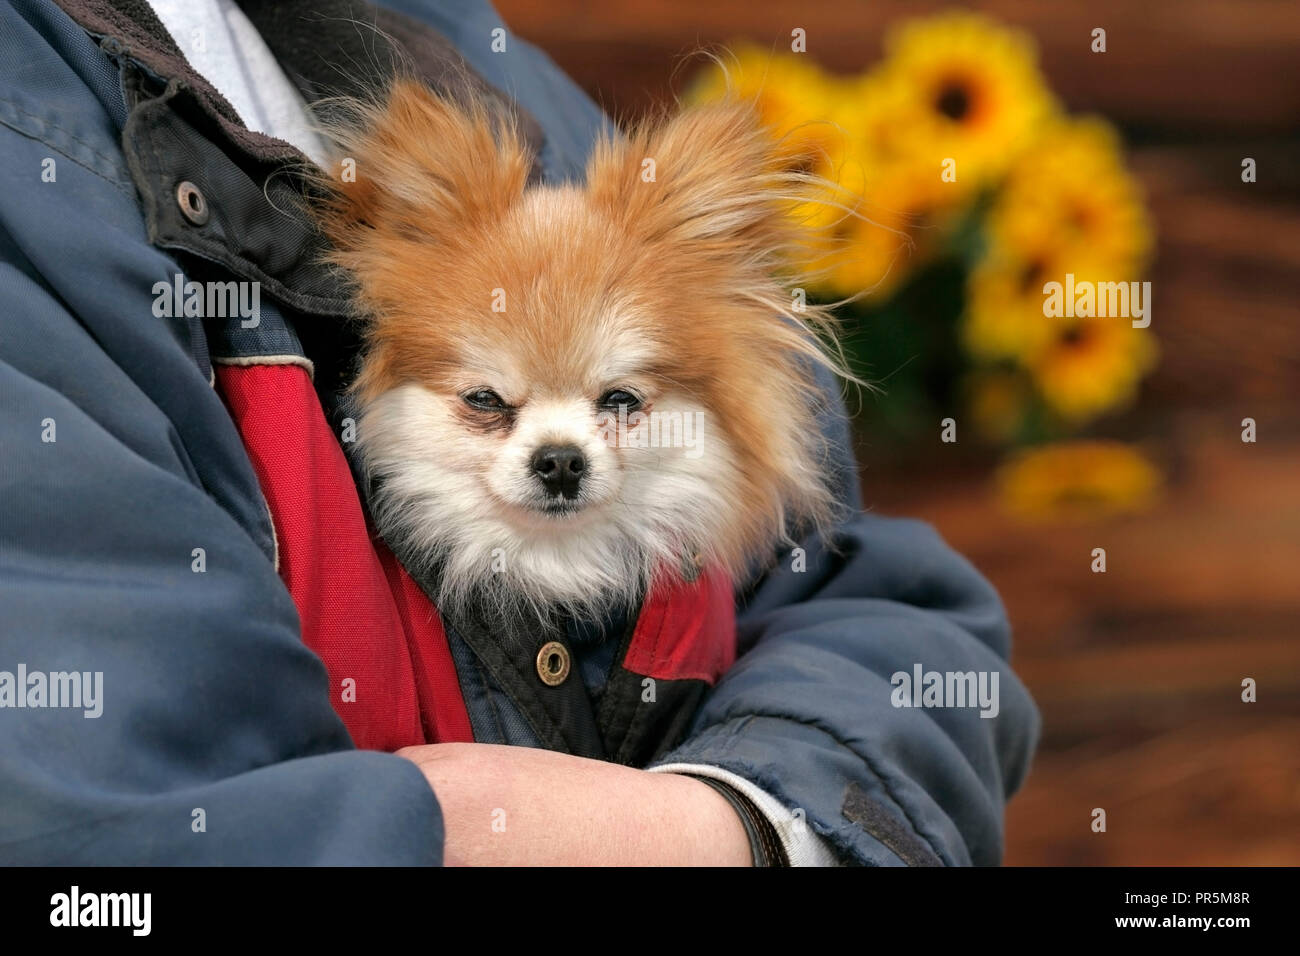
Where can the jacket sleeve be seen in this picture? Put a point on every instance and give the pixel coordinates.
(808, 711)
(200, 729)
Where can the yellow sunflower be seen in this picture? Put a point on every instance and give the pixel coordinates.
(1068, 196)
(1091, 365)
(1067, 207)
(1004, 307)
(958, 86)
(1077, 480)
(1081, 366)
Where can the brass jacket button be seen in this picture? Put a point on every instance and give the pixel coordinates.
(553, 663)
(194, 206)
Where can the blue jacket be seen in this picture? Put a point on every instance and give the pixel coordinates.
(119, 460)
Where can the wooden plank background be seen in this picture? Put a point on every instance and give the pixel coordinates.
(1137, 671)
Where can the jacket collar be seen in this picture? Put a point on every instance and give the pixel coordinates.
(309, 38)
(180, 128)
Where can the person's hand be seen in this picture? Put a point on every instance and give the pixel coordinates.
(516, 806)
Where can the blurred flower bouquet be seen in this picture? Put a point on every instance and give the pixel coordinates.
(961, 189)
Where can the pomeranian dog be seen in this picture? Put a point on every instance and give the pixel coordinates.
(566, 390)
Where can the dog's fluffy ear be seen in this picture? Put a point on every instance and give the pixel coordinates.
(709, 176)
(425, 170)
(710, 193)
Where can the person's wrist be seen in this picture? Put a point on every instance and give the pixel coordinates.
(766, 848)
(717, 830)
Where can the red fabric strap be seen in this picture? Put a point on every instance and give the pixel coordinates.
(392, 679)
(685, 631)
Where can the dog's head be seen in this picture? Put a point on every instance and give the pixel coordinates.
(566, 389)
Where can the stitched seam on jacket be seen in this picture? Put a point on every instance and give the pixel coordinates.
(252, 361)
(122, 185)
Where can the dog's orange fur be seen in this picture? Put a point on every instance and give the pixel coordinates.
(441, 215)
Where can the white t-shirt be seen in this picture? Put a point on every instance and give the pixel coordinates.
(222, 45)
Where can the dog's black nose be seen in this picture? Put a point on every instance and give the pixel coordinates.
(560, 468)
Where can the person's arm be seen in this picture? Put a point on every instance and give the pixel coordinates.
(808, 714)
(209, 737)
(521, 806)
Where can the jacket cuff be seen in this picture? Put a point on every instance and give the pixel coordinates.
(860, 805)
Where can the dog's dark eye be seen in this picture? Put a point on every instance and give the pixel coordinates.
(485, 399)
(619, 398)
